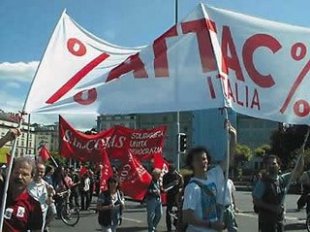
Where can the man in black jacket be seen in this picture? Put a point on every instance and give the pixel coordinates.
(269, 192)
(172, 184)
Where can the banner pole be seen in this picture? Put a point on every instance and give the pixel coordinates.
(227, 127)
(28, 134)
(13, 150)
(298, 160)
(176, 11)
(54, 161)
(8, 175)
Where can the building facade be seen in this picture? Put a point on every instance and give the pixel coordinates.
(203, 128)
(21, 148)
(47, 135)
(254, 132)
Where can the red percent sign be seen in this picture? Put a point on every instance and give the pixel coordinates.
(85, 97)
(301, 107)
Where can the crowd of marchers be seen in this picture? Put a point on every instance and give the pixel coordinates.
(200, 201)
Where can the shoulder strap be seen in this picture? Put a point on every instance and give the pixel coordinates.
(203, 187)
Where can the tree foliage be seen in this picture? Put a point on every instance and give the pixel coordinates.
(60, 160)
(242, 153)
(284, 143)
(262, 150)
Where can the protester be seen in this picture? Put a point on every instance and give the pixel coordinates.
(49, 171)
(22, 211)
(97, 179)
(230, 207)
(58, 179)
(173, 185)
(43, 192)
(110, 206)
(269, 192)
(91, 184)
(153, 201)
(202, 193)
(304, 199)
(85, 191)
(59, 185)
(75, 194)
(115, 171)
(67, 178)
(9, 136)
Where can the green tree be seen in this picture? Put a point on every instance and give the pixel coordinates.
(284, 143)
(60, 160)
(3, 152)
(242, 153)
(262, 150)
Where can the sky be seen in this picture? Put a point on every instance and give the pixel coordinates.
(26, 26)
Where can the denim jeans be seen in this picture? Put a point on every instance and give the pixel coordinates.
(154, 212)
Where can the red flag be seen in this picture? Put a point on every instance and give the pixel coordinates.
(44, 154)
(160, 163)
(134, 179)
(83, 171)
(106, 171)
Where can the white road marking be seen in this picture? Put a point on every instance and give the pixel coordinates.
(132, 220)
(255, 216)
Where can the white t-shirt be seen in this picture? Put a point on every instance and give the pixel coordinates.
(192, 196)
(39, 192)
(86, 184)
(228, 196)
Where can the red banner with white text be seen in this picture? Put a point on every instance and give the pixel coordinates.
(132, 173)
(117, 142)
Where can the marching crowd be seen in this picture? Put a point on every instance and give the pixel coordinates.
(195, 202)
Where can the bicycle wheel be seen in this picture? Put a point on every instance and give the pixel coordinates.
(70, 215)
(308, 222)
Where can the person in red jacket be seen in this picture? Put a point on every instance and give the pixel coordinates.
(22, 212)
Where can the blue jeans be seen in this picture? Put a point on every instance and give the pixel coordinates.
(154, 212)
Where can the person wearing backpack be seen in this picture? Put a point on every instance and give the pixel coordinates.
(202, 192)
(110, 206)
(303, 200)
(269, 192)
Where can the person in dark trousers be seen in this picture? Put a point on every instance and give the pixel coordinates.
(91, 185)
(153, 202)
(110, 206)
(268, 194)
(85, 190)
(172, 184)
(304, 180)
(75, 194)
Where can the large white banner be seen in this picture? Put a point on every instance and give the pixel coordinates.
(213, 58)
(72, 57)
(266, 73)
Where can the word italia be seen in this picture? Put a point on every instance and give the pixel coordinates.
(239, 93)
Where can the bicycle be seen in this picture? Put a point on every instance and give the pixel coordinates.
(69, 214)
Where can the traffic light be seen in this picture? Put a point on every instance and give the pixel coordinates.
(182, 140)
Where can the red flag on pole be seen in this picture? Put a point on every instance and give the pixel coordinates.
(106, 171)
(44, 154)
(134, 179)
(160, 163)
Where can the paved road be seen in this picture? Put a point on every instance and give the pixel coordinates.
(135, 218)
